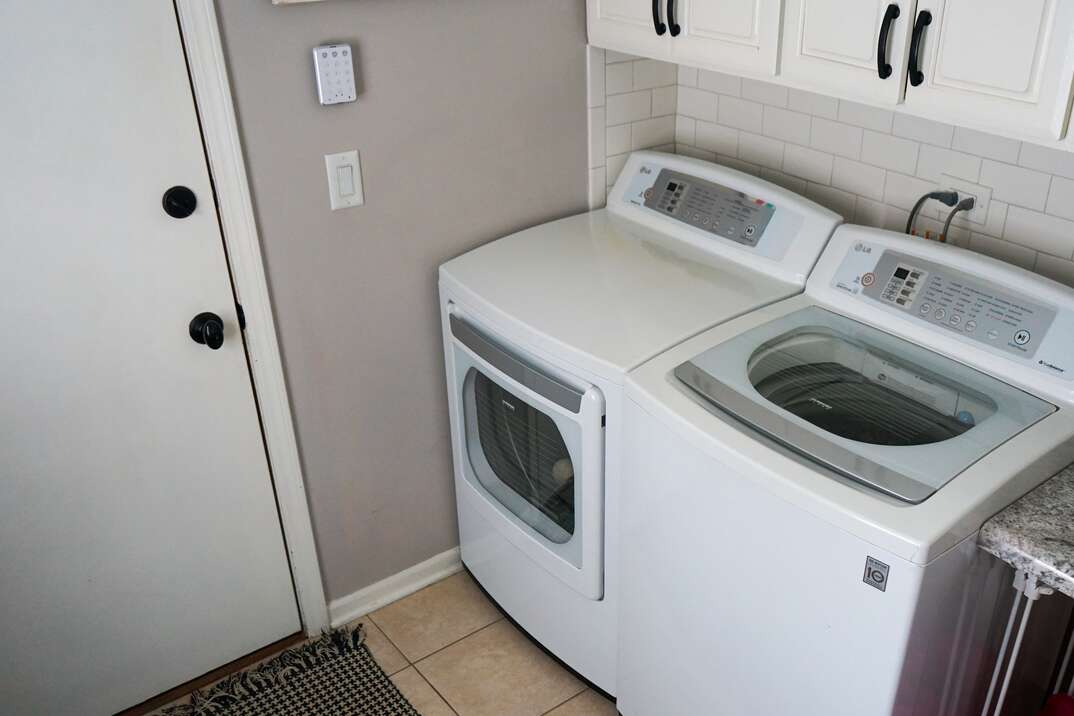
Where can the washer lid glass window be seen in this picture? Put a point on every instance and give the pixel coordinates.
(876, 408)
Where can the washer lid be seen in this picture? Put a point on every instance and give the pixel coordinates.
(876, 408)
(603, 292)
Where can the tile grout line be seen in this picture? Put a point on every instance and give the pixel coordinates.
(566, 701)
(413, 665)
(436, 691)
(394, 645)
(461, 638)
(431, 686)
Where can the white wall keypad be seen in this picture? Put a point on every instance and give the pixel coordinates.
(335, 73)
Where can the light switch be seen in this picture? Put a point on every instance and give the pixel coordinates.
(344, 179)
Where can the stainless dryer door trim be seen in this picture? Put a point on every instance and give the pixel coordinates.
(544, 385)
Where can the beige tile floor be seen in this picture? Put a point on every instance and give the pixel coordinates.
(452, 653)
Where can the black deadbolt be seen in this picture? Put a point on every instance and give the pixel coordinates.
(207, 329)
(179, 202)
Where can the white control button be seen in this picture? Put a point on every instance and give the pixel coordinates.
(925, 308)
(971, 326)
(941, 313)
(956, 319)
(1022, 337)
(868, 279)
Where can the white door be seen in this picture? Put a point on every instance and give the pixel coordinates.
(846, 47)
(740, 36)
(139, 540)
(994, 64)
(637, 27)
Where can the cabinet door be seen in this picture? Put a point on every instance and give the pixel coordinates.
(739, 36)
(995, 64)
(833, 46)
(629, 26)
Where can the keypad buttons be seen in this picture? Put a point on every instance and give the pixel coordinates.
(941, 313)
(956, 319)
(925, 308)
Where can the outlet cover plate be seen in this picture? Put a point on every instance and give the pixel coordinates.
(982, 194)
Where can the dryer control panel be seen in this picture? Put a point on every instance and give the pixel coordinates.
(710, 207)
(709, 210)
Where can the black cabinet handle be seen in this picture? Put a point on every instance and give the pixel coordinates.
(924, 19)
(672, 25)
(883, 68)
(660, 27)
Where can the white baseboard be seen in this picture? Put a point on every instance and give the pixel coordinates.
(368, 599)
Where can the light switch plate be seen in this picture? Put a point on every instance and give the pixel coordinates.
(334, 67)
(344, 179)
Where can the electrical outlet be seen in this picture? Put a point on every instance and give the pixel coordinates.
(982, 196)
(344, 179)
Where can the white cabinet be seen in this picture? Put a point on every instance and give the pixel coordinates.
(994, 64)
(845, 47)
(633, 26)
(737, 36)
(1002, 66)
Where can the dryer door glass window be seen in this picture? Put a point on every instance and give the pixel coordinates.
(521, 449)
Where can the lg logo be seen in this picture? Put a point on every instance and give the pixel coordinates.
(876, 574)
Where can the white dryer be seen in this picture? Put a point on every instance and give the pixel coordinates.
(540, 329)
(803, 486)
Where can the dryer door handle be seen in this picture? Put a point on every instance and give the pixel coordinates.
(544, 385)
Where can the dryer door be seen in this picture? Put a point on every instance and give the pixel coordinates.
(532, 444)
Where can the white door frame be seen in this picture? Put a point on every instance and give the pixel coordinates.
(212, 93)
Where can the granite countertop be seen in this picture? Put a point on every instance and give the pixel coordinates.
(1036, 533)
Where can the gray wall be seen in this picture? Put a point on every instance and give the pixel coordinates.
(471, 123)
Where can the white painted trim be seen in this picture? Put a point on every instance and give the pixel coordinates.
(386, 591)
(212, 91)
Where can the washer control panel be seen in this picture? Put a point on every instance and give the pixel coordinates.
(975, 309)
(711, 207)
(948, 298)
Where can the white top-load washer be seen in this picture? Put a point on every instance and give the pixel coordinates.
(539, 331)
(803, 486)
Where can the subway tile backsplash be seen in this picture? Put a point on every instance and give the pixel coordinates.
(866, 163)
(632, 105)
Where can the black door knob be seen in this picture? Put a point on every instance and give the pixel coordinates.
(179, 202)
(207, 329)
